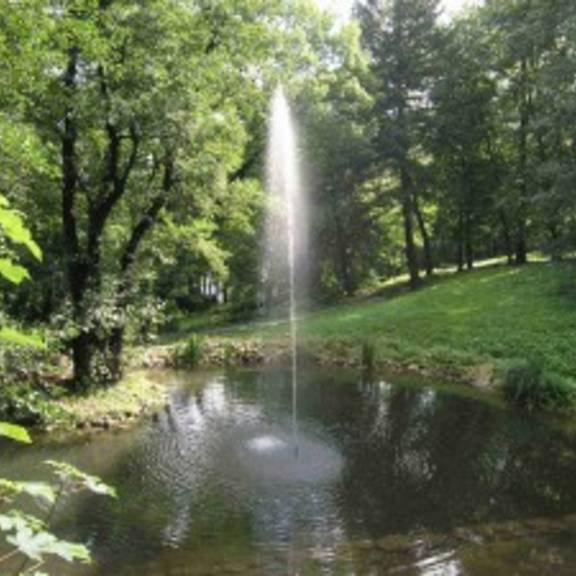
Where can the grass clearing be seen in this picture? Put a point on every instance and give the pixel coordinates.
(460, 320)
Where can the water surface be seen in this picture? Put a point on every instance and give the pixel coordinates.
(386, 479)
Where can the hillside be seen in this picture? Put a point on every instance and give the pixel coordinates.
(460, 320)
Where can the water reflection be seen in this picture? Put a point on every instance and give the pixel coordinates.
(389, 479)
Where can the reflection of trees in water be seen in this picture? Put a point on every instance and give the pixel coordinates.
(436, 461)
(412, 458)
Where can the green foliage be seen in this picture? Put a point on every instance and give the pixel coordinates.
(29, 403)
(14, 432)
(10, 489)
(11, 335)
(368, 355)
(454, 322)
(75, 480)
(428, 141)
(191, 352)
(14, 229)
(29, 535)
(526, 384)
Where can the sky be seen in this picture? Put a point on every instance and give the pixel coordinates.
(342, 7)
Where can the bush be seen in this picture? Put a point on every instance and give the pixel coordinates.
(30, 404)
(190, 354)
(526, 384)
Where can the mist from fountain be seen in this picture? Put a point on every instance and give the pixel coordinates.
(286, 229)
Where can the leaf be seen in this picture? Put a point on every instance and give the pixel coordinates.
(68, 473)
(37, 544)
(34, 489)
(16, 520)
(15, 229)
(13, 336)
(31, 539)
(13, 272)
(16, 433)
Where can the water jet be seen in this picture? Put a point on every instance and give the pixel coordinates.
(286, 229)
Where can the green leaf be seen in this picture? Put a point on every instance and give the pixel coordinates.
(13, 336)
(37, 544)
(35, 489)
(29, 536)
(15, 229)
(80, 480)
(13, 272)
(16, 433)
(16, 520)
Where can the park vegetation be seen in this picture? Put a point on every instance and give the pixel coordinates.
(132, 144)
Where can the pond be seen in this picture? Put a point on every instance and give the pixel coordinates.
(386, 478)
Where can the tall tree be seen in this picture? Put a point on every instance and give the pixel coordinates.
(463, 129)
(402, 38)
(141, 134)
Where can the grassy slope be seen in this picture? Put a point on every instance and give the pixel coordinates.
(464, 319)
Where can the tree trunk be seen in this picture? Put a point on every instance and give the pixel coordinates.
(83, 353)
(507, 237)
(555, 245)
(461, 250)
(115, 342)
(521, 251)
(408, 215)
(115, 348)
(343, 259)
(469, 242)
(428, 258)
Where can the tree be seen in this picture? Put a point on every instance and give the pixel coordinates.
(462, 140)
(403, 39)
(142, 134)
(334, 108)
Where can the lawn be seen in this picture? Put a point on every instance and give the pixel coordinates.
(495, 313)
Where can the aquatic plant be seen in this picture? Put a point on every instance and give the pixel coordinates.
(526, 384)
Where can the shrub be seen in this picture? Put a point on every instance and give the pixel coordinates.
(526, 384)
(190, 354)
(30, 404)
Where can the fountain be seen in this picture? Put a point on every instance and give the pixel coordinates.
(286, 229)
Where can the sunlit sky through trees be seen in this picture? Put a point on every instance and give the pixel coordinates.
(343, 7)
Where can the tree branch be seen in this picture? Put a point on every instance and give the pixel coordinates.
(69, 159)
(148, 219)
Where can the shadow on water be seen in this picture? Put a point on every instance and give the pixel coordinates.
(389, 479)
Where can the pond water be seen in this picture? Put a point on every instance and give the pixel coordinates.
(387, 479)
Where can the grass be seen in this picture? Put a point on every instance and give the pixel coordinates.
(458, 320)
(136, 394)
